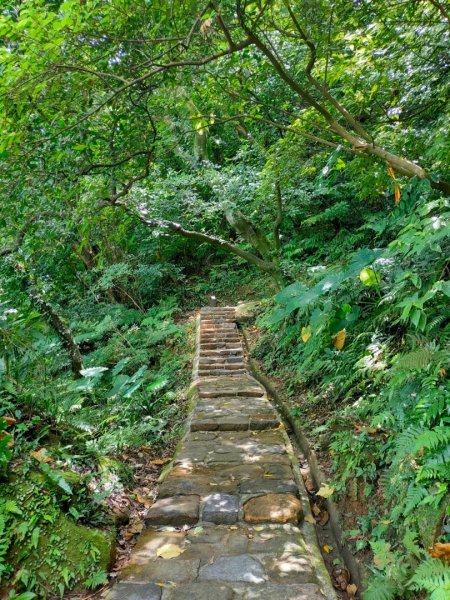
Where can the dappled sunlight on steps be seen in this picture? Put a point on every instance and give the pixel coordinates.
(227, 523)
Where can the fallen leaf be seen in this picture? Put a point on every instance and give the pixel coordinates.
(167, 584)
(145, 501)
(134, 528)
(324, 518)
(309, 485)
(339, 339)
(327, 548)
(169, 551)
(325, 490)
(9, 420)
(160, 461)
(41, 455)
(197, 530)
(310, 519)
(268, 475)
(341, 578)
(316, 510)
(351, 590)
(441, 551)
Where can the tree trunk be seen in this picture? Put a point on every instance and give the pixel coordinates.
(60, 327)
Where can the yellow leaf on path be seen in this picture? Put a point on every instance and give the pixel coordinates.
(310, 519)
(325, 490)
(327, 548)
(268, 475)
(339, 339)
(169, 551)
(167, 584)
(306, 333)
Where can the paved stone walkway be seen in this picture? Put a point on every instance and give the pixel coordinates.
(231, 503)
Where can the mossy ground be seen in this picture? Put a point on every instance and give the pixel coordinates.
(49, 552)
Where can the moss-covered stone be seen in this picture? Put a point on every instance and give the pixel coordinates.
(246, 312)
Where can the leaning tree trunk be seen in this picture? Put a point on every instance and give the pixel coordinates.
(60, 327)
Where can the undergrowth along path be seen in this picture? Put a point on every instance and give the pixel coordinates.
(228, 522)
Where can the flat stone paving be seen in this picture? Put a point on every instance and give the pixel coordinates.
(230, 504)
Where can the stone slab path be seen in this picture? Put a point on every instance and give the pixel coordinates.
(232, 502)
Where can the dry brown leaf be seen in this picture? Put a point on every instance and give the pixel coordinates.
(324, 518)
(206, 25)
(309, 485)
(41, 455)
(310, 519)
(441, 551)
(169, 551)
(133, 529)
(351, 590)
(147, 502)
(9, 421)
(341, 578)
(160, 461)
(316, 510)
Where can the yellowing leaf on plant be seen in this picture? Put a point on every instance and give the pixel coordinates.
(169, 551)
(327, 548)
(397, 194)
(368, 277)
(325, 490)
(306, 333)
(339, 339)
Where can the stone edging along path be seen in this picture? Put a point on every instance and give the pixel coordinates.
(228, 522)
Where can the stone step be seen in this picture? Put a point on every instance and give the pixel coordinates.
(218, 346)
(222, 352)
(217, 372)
(220, 360)
(250, 393)
(229, 366)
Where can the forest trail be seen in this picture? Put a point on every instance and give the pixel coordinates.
(228, 521)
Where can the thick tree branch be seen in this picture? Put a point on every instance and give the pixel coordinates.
(171, 226)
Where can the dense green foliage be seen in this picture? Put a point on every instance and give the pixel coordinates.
(153, 153)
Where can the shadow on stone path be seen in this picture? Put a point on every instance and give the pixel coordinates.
(230, 504)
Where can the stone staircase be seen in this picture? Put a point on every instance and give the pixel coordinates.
(230, 507)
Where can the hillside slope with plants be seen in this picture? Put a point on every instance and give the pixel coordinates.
(290, 152)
